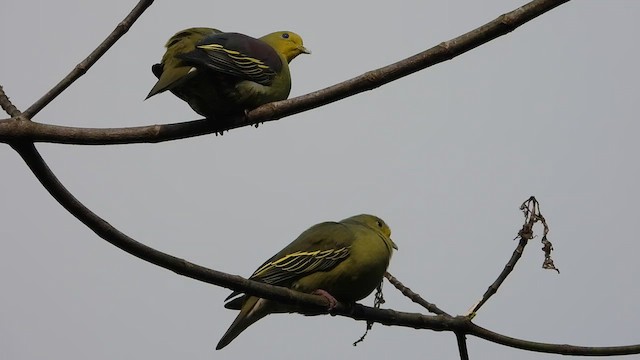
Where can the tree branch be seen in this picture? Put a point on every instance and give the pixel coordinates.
(416, 298)
(462, 346)
(85, 64)
(532, 215)
(561, 349)
(458, 324)
(115, 237)
(13, 130)
(183, 267)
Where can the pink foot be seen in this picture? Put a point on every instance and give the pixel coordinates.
(332, 301)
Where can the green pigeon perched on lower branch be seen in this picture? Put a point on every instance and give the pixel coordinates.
(342, 261)
(219, 74)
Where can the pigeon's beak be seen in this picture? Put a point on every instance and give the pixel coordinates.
(393, 244)
(304, 50)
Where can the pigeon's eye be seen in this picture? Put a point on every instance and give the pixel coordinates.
(379, 223)
(285, 35)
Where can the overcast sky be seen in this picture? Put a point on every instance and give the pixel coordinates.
(445, 156)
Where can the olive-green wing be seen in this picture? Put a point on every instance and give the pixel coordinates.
(298, 264)
(320, 248)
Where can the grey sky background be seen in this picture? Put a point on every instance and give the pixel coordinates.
(445, 156)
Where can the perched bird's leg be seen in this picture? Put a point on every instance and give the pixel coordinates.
(332, 301)
(246, 118)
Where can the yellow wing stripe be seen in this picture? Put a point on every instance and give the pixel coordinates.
(238, 57)
(303, 261)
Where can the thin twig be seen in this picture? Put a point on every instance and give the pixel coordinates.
(85, 64)
(377, 302)
(416, 298)
(6, 104)
(532, 214)
(274, 111)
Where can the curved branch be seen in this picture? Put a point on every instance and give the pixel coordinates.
(13, 130)
(460, 324)
(16, 129)
(562, 349)
(117, 238)
(85, 64)
(183, 267)
(463, 325)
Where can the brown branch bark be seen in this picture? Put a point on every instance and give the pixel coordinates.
(562, 349)
(117, 238)
(12, 130)
(461, 339)
(415, 297)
